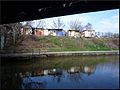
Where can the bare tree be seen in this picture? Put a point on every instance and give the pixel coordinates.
(88, 26)
(116, 35)
(2, 36)
(77, 25)
(58, 24)
(10, 35)
(38, 24)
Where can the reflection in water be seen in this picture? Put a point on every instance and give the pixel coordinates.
(27, 81)
(89, 70)
(99, 72)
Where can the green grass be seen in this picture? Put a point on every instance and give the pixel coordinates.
(54, 44)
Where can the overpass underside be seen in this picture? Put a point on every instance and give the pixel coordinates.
(18, 11)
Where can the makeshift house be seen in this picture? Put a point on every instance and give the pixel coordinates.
(52, 32)
(39, 32)
(88, 33)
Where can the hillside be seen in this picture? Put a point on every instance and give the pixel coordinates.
(52, 43)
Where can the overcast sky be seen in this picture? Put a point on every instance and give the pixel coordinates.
(102, 21)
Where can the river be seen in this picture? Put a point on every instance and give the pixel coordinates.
(77, 72)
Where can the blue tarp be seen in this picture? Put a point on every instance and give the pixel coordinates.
(60, 33)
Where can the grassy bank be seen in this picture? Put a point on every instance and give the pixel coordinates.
(51, 43)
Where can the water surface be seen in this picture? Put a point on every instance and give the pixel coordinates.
(93, 72)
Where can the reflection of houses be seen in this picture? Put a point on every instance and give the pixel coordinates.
(39, 72)
(89, 69)
(46, 72)
(88, 33)
(55, 72)
(85, 69)
(73, 70)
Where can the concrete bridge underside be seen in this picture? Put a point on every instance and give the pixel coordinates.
(18, 11)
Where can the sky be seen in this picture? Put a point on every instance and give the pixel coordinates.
(102, 21)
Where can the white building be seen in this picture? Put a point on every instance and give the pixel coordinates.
(77, 34)
(46, 32)
(73, 33)
(52, 32)
(88, 33)
(26, 31)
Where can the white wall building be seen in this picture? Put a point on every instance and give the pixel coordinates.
(52, 32)
(73, 33)
(26, 31)
(88, 33)
(46, 32)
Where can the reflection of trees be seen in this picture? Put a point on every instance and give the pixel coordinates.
(111, 66)
(74, 74)
(76, 77)
(74, 70)
(28, 83)
(57, 74)
(8, 79)
(57, 78)
(24, 78)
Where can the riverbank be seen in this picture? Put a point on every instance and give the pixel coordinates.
(60, 44)
(57, 54)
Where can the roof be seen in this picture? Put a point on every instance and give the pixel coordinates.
(26, 26)
(71, 30)
(55, 29)
(40, 28)
(88, 30)
(74, 30)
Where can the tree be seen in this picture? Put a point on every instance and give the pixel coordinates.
(116, 35)
(76, 24)
(58, 24)
(2, 34)
(39, 24)
(88, 26)
(10, 35)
